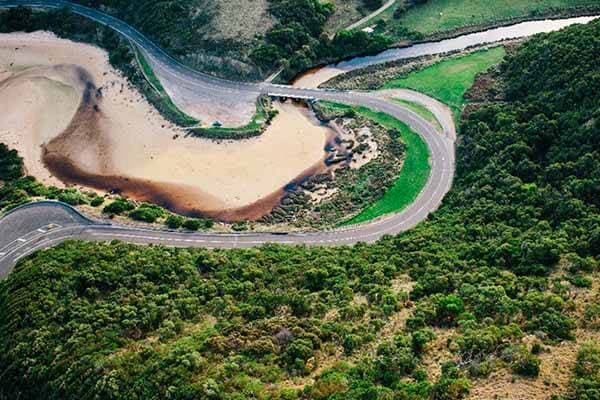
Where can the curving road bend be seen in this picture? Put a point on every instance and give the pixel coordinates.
(45, 224)
(42, 225)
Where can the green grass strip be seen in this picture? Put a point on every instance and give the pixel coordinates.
(414, 173)
(449, 80)
(256, 124)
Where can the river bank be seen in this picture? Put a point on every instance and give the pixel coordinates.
(76, 121)
(317, 76)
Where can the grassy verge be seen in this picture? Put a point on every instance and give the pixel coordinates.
(412, 178)
(164, 102)
(449, 80)
(421, 111)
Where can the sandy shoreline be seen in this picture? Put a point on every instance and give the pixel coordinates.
(120, 135)
(313, 78)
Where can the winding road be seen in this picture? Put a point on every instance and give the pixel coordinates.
(44, 224)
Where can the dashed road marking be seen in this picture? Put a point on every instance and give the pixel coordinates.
(21, 240)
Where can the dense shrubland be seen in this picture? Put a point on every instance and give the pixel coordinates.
(298, 41)
(510, 255)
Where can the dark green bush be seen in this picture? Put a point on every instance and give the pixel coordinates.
(119, 206)
(147, 213)
(97, 201)
(72, 197)
(522, 362)
(192, 224)
(174, 221)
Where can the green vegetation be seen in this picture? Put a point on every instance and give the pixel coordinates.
(17, 189)
(152, 213)
(413, 176)
(195, 224)
(346, 12)
(420, 110)
(449, 80)
(489, 271)
(449, 15)
(148, 213)
(174, 221)
(297, 41)
(118, 207)
(13, 187)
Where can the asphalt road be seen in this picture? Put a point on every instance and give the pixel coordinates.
(43, 225)
(371, 16)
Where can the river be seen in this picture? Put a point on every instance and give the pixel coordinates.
(318, 76)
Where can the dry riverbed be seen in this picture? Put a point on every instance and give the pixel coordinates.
(75, 120)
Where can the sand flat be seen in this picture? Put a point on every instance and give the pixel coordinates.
(39, 106)
(42, 96)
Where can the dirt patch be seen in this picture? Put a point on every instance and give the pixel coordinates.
(240, 20)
